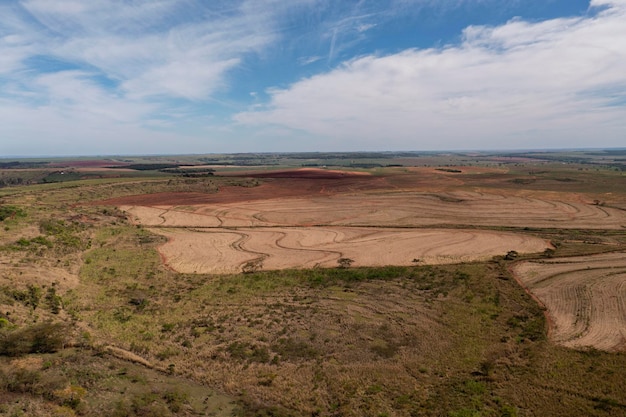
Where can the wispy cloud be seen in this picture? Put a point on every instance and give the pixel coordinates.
(152, 47)
(306, 60)
(91, 63)
(503, 86)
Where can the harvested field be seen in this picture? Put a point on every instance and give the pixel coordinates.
(419, 197)
(585, 298)
(311, 217)
(88, 163)
(380, 209)
(230, 250)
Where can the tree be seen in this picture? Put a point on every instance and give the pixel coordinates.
(511, 255)
(345, 262)
(252, 266)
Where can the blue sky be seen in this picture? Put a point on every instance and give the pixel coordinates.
(111, 77)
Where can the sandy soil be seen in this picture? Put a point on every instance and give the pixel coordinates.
(389, 209)
(585, 298)
(227, 251)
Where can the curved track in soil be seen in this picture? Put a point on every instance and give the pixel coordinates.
(585, 298)
(227, 250)
(310, 218)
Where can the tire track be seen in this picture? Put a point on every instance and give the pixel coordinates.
(585, 298)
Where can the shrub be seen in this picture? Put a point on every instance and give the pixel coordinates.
(511, 255)
(175, 399)
(10, 212)
(246, 351)
(22, 380)
(70, 396)
(252, 266)
(384, 349)
(345, 262)
(40, 338)
(53, 300)
(289, 348)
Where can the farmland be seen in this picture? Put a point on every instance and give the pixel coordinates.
(214, 285)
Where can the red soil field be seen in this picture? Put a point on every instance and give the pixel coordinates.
(279, 184)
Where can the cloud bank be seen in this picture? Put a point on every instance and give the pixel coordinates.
(556, 83)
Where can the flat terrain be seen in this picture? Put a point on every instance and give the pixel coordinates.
(417, 197)
(270, 205)
(230, 251)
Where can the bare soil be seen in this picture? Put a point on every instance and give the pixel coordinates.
(230, 250)
(585, 298)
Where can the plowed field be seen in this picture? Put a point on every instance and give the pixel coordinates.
(391, 208)
(585, 298)
(228, 251)
(311, 218)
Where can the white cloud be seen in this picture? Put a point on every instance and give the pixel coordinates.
(521, 84)
(74, 93)
(164, 47)
(306, 60)
(101, 76)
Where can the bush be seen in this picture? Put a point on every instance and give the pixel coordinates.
(10, 212)
(511, 255)
(40, 338)
(293, 349)
(21, 380)
(345, 262)
(53, 300)
(246, 351)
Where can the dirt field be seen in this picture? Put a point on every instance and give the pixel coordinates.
(415, 197)
(228, 251)
(585, 298)
(392, 208)
(311, 218)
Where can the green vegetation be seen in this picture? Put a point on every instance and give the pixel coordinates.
(40, 338)
(88, 383)
(11, 212)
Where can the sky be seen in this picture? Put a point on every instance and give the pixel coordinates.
(123, 77)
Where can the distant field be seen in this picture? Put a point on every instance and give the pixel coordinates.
(313, 217)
